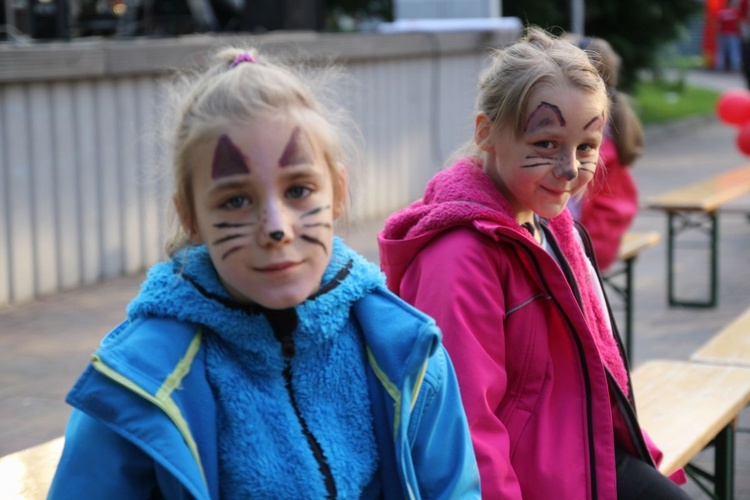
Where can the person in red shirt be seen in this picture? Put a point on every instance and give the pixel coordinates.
(729, 43)
(743, 8)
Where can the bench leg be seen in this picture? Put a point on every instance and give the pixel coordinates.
(673, 229)
(722, 479)
(625, 292)
(724, 463)
(628, 296)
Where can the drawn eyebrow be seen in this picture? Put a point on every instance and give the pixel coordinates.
(545, 120)
(594, 119)
(227, 185)
(228, 159)
(293, 154)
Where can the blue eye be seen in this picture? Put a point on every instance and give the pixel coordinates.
(545, 144)
(236, 202)
(297, 192)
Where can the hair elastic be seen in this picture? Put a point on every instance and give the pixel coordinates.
(244, 57)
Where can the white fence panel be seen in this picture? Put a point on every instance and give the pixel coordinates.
(110, 178)
(67, 245)
(88, 174)
(153, 179)
(43, 189)
(19, 193)
(5, 292)
(128, 124)
(83, 190)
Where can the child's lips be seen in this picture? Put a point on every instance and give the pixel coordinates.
(558, 192)
(276, 267)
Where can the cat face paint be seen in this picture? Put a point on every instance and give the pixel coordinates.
(268, 226)
(555, 155)
(545, 115)
(228, 159)
(297, 150)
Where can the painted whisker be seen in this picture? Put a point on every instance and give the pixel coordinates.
(314, 241)
(318, 224)
(315, 211)
(540, 164)
(222, 225)
(230, 252)
(228, 238)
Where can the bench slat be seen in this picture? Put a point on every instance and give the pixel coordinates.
(707, 195)
(633, 242)
(28, 473)
(730, 346)
(683, 406)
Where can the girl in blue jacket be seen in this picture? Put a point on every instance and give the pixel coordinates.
(265, 359)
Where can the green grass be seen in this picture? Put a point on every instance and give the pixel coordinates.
(660, 101)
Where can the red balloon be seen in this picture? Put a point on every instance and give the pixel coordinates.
(743, 139)
(733, 107)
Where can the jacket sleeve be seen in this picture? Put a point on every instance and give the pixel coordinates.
(463, 291)
(98, 463)
(442, 453)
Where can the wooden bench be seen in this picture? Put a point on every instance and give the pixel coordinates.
(696, 207)
(686, 406)
(730, 346)
(28, 473)
(632, 244)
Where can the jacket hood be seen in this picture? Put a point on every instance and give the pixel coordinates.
(188, 289)
(462, 195)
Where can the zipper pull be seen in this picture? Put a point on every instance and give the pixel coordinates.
(284, 323)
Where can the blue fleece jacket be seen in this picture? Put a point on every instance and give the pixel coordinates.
(190, 396)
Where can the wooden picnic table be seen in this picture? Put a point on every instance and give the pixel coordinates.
(696, 207)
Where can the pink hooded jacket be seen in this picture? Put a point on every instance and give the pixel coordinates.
(542, 379)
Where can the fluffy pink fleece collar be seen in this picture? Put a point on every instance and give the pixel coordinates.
(463, 195)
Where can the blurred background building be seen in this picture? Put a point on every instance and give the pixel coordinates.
(81, 96)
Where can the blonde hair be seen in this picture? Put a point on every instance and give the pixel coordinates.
(241, 85)
(627, 129)
(516, 71)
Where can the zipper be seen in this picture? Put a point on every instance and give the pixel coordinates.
(626, 404)
(284, 323)
(579, 348)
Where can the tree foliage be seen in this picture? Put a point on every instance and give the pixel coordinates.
(637, 29)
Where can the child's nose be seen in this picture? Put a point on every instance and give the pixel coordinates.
(275, 227)
(567, 168)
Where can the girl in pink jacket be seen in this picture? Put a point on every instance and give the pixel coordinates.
(493, 255)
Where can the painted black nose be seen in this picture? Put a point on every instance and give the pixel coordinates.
(276, 235)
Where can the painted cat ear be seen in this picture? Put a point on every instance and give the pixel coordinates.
(187, 221)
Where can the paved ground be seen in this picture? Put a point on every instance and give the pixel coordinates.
(44, 345)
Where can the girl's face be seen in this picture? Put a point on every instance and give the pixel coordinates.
(264, 205)
(554, 157)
